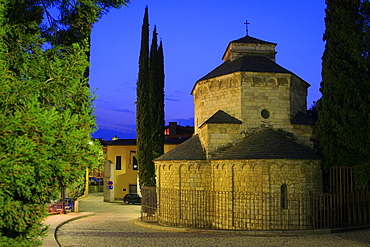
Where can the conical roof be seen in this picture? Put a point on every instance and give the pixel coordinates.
(221, 117)
(246, 64)
(249, 39)
(188, 150)
(267, 144)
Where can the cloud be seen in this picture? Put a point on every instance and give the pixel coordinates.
(182, 121)
(122, 131)
(181, 92)
(123, 110)
(171, 99)
(107, 106)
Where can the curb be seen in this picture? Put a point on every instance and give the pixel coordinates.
(55, 222)
(275, 233)
(69, 220)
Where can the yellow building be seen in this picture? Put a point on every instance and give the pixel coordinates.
(121, 169)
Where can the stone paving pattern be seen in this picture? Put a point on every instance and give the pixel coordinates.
(113, 224)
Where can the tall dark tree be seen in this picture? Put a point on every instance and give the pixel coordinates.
(143, 111)
(158, 102)
(343, 123)
(150, 105)
(156, 71)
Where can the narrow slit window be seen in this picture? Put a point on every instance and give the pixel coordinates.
(283, 196)
(134, 163)
(118, 163)
(133, 160)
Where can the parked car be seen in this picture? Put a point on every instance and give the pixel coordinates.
(93, 180)
(57, 206)
(132, 198)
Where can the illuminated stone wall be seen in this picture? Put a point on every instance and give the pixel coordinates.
(245, 96)
(237, 194)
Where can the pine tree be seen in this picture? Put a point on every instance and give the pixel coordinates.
(343, 123)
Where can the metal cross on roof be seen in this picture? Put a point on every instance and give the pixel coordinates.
(246, 26)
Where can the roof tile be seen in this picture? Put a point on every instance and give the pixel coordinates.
(221, 117)
(267, 144)
(246, 64)
(189, 150)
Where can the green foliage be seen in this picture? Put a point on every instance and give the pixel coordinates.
(74, 20)
(150, 105)
(343, 123)
(157, 95)
(76, 188)
(46, 118)
(143, 114)
(44, 137)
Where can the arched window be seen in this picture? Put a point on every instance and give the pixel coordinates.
(284, 196)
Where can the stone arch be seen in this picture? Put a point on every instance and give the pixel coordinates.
(202, 90)
(214, 85)
(274, 167)
(198, 166)
(258, 81)
(233, 166)
(287, 181)
(190, 166)
(181, 167)
(283, 165)
(244, 79)
(282, 82)
(235, 82)
(206, 89)
(256, 167)
(245, 166)
(238, 166)
(272, 81)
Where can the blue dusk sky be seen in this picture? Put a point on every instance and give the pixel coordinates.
(195, 35)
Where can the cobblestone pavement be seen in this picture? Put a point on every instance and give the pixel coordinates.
(113, 225)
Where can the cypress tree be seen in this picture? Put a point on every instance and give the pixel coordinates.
(158, 103)
(150, 105)
(157, 83)
(143, 111)
(343, 123)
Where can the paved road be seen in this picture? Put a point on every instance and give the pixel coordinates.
(113, 225)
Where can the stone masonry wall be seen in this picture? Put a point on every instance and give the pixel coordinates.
(218, 136)
(222, 93)
(269, 92)
(298, 96)
(245, 95)
(236, 50)
(239, 194)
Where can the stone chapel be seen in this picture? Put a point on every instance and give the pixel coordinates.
(252, 137)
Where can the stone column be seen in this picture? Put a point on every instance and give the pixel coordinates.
(108, 176)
